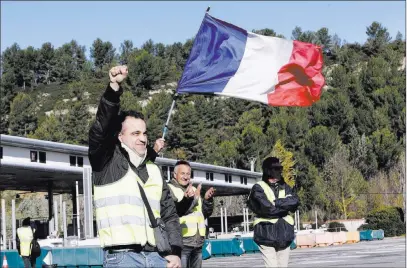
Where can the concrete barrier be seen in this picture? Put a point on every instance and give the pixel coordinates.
(339, 238)
(352, 237)
(323, 239)
(305, 240)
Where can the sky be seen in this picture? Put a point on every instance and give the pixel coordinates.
(34, 23)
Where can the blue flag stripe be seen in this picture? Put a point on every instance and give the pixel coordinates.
(215, 57)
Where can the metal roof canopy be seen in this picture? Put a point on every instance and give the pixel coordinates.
(34, 177)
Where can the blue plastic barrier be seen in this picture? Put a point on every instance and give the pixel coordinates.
(293, 245)
(15, 260)
(378, 234)
(237, 246)
(365, 235)
(207, 250)
(249, 245)
(224, 247)
(78, 256)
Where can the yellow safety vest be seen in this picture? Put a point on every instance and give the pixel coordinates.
(271, 197)
(193, 222)
(121, 216)
(25, 234)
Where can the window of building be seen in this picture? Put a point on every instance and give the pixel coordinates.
(43, 157)
(226, 177)
(72, 160)
(80, 161)
(1, 152)
(33, 156)
(245, 180)
(230, 178)
(76, 161)
(192, 174)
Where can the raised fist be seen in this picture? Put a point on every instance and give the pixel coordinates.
(159, 145)
(118, 74)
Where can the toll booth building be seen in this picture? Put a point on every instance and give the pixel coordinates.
(30, 165)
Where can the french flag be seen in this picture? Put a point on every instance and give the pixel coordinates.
(227, 60)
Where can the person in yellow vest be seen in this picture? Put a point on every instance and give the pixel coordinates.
(271, 200)
(25, 234)
(123, 175)
(192, 210)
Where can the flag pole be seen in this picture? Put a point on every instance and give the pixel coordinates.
(169, 115)
(165, 130)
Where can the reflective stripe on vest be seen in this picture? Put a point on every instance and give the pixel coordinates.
(121, 216)
(271, 197)
(25, 235)
(193, 222)
(178, 192)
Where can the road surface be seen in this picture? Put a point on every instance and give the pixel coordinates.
(390, 252)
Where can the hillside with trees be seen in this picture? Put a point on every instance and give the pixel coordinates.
(345, 154)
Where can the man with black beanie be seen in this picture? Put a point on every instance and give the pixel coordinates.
(271, 200)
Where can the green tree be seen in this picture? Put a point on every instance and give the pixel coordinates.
(76, 124)
(378, 37)
(49, 130)
(386, 147)
(268, 32)
(320, 144)
(296, 33)
(156, 112)
(130, 102)
(102, 53)
(3, 116)
(339, 78)
(126, 48)
(345, 184)
(361, 154)
(69, 60)
(323, 37)
(146, 70)
(287, 160)
(376, 74)
(22, 118)
(46, 63)
(226, 153)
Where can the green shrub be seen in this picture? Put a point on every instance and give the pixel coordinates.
(336, 227)
(387, 219)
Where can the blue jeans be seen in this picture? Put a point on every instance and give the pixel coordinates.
(134, 259)
(191, 257)
(29, 262)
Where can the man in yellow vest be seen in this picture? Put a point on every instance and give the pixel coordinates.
(25, 234)
(123, 176)
(271, 200)
(192, 210)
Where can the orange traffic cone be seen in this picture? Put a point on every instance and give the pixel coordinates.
(5, 264)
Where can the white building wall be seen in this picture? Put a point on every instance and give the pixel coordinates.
(352, 225)
(60, 159)
(52, 158)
